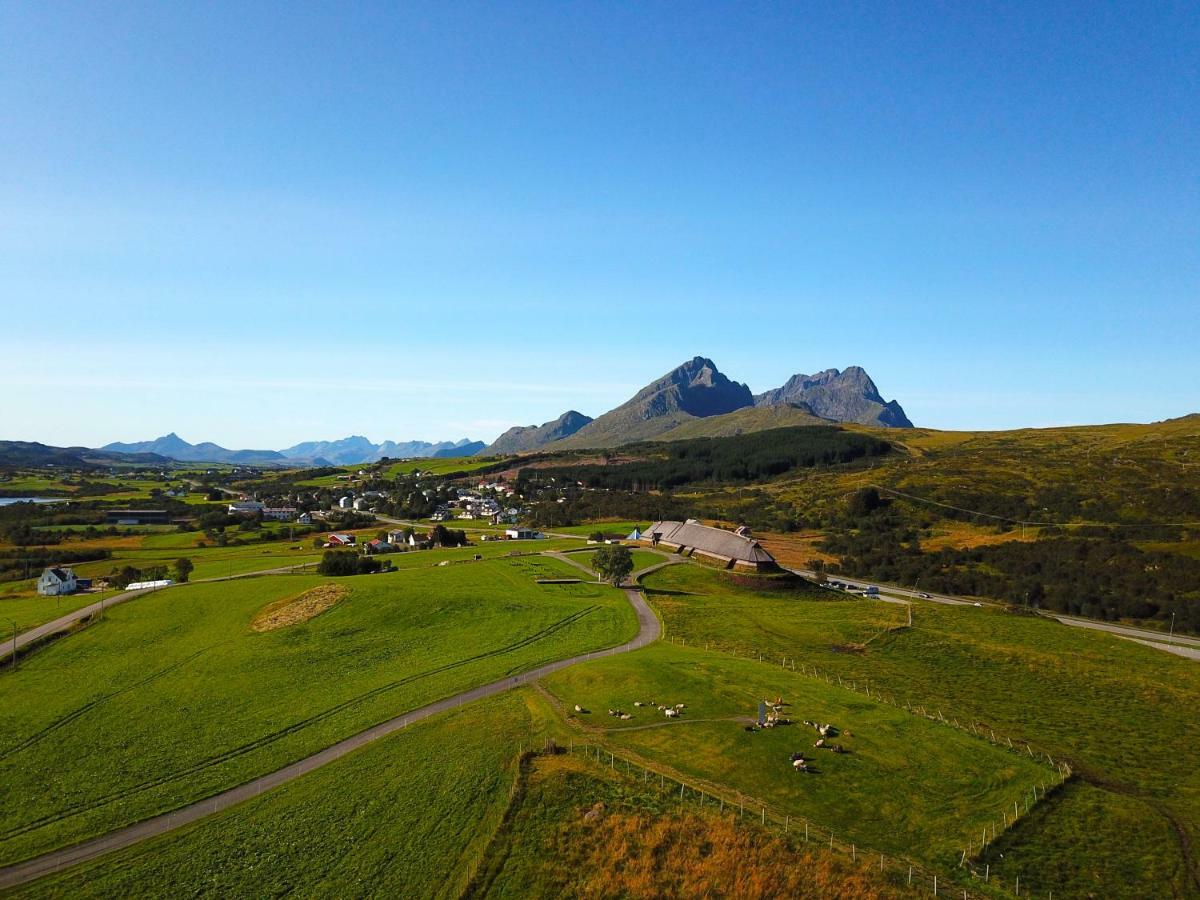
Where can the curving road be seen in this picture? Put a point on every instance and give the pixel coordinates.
(649, 630)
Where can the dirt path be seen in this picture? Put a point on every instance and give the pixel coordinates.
(649, 631)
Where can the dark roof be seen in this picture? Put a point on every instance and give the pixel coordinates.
(61, 574)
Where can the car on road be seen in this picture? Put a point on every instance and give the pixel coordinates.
(924, 596)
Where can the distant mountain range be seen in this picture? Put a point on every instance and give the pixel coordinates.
(692, 400)
(31, 453)
(347, 451)
(695, 399)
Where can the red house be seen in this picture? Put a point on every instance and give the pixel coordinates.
(340, 540)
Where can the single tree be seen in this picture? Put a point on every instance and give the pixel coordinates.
(613, 563)
(183, 568)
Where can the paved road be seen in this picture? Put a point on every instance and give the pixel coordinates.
(63, 623)
(649, 630)
(1148, 636)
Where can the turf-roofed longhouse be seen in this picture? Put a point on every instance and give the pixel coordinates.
(734, 550)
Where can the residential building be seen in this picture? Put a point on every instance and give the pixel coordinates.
(56, 581)
(340, 539)
(279, 513)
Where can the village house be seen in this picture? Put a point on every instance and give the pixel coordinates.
(246, 507)
(56, 581)
(279, 513)
(340, 539)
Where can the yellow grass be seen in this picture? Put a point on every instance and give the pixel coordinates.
(301, 608)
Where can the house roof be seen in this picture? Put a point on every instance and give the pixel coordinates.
(60, 573)
(716, 541)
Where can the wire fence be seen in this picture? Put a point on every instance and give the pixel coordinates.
(799, 831)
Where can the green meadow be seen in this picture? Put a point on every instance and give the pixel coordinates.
(406, 816)
(1118, 712)
(905, 785)
(173, 697)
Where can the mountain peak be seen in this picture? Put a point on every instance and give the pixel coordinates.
(845, 396)
(523, 438)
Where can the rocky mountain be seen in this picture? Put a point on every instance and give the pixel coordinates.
(172, 446)
(693, 390)
(523, 438)
(746, 420)
(849, 396)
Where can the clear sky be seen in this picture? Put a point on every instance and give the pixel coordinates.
(262, 223)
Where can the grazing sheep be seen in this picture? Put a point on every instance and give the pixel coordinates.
(638, 703)
(578, 708)
(671, 713)
(820, 742)
(626, 716)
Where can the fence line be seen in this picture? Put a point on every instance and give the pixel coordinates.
(796, 830)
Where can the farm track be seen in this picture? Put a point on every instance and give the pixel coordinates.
(649, 630)
(281, 733)
(38, 736)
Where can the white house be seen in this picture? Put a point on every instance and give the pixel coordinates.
(396, 536)
(304, 519)
(246, 507)
(362, 503)
(56, 581)
(345, 503)
(520, 534)
(279, 513)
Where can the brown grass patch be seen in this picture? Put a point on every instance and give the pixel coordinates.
(301, 608)
(796, 550)
(965, 536)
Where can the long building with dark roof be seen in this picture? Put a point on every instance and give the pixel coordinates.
(732, 550)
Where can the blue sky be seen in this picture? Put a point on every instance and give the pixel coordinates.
(258, 224)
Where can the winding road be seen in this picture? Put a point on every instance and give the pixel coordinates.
(649, 630)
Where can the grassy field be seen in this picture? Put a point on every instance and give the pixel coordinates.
(402, 817)
(580, 829)
(1121, 714)
(172, 697)
(642, 559)
(608, 526)
(907, 786)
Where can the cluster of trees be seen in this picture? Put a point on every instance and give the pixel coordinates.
(739, 459)
(592, 505)
(1104, 577)
(18, 564)
(349, 562)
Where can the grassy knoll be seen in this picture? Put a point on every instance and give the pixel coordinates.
(579, 829)
(173, 697)
(642, 559)
(1122, 714)
(402, 817)
(907, 786)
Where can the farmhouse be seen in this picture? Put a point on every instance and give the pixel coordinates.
(732, 550)
(340, 539)
(520, 534)
(57, 581)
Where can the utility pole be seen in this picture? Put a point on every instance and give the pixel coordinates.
(1172, 626)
